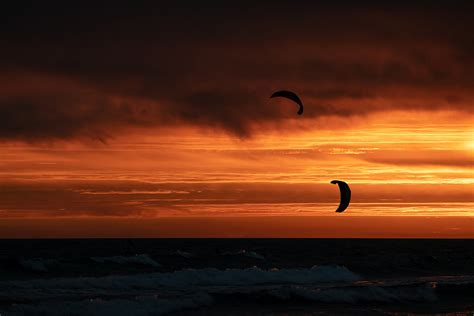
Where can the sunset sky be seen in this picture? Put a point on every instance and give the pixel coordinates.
(155, 120)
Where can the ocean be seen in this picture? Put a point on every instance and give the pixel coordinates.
(237, 277)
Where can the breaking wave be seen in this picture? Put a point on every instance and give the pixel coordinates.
(192, 277)
(245, 253)
(139, 306)
(38, 264)
(353, 295)
(162, 293)
(137, 259)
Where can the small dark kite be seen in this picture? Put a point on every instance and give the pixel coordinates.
(291, 96)
(345, 195)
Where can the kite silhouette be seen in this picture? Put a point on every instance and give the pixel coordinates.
(291, 96)
(345, 195)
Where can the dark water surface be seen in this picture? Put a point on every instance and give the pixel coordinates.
(236, 276)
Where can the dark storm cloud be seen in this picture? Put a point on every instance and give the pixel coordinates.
(87, 71)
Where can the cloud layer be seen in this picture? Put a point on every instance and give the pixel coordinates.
(94, 71)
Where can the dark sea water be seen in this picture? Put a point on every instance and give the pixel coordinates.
(237, 277)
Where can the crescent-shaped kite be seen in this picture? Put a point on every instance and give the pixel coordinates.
(291, 96)
(345, 195)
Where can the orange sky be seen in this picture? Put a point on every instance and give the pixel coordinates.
(400, 165)
(123, 122)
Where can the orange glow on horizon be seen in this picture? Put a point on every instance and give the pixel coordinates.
(396, 166)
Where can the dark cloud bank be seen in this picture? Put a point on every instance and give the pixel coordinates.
(89, 71)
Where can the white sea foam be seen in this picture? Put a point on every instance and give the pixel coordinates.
(190, 277)
(137, 259)
(161, 293)
(246, 253)
(59, 296)
(353, 295)
(117, 295)
(141, 306)
(184, 254)
(251, 254)
(38, 264)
